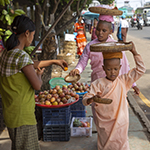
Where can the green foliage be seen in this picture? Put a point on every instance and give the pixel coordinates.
(5, 2)
(29, 49)
(7, 16)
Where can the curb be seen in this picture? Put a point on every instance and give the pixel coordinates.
(132, 101)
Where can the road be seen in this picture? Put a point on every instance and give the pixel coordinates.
(141, 38)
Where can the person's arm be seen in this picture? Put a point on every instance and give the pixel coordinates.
(94, 92)
(33, 77)
(125, 69)
(84, 30)
(91, 30)
(134, 74)
(75, 28)
(82, 63)
(45, 63)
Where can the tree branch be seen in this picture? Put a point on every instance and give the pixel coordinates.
(78, 8)
(73, 19)
(56, 3)
(44, 5)
(66, 24)
(54, 24)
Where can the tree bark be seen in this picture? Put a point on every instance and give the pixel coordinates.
(48, 53)
(38, 25)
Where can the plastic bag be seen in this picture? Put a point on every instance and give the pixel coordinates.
(119, 35)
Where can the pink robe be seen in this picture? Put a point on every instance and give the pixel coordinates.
(97, 61)
(112, 120)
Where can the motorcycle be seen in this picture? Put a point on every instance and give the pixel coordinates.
(140, 24)
(133, 23)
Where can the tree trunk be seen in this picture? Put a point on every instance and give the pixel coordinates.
(48, 52)
(37, 22)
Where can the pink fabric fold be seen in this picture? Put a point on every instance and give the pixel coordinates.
(107, 18)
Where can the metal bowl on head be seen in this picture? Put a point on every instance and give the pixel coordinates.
(72, 79)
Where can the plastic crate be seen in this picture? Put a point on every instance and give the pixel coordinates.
(56, 132)
(56, 115)
(78, 105)
(77, 113)
(81, 131)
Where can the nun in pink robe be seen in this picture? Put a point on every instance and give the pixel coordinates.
(97, 57)
(112, 120)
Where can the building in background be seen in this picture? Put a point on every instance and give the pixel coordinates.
(128, 11)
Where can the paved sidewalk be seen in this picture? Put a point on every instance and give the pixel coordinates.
(137, 137)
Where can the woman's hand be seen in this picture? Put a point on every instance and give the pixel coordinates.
(61, 63)
(133, 50)
(74, 72)
(40, 71)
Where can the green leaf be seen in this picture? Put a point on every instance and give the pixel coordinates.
(4, 12)
(2, 17)
(7, 17)
(8, 32)
(1, 33)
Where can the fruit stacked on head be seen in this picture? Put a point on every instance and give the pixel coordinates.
(56, 96)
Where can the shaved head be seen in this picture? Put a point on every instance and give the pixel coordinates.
(109, 25)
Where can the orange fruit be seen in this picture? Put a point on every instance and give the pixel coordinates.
(65, 68)
(55, 103)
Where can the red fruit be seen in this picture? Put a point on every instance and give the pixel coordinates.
(68, 93)
(62, 94)
(57, 87)
(50, 91)
(40, 93)
(72, 94)
(64, 86)
(78, 83)
(58, 100)
(48, 96)
(70, 86)
(59, 91)
(35, 96)
(80, 88)
(73, 89)
(77, 96)
(68, 96)
(45, 92)
(65, 101)
(42, 103)
(56, 96)
(65, 91)
(84, 124)
(36, 99)
(52, 99)
(54, 91)
(60, 103)
(47, 102)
